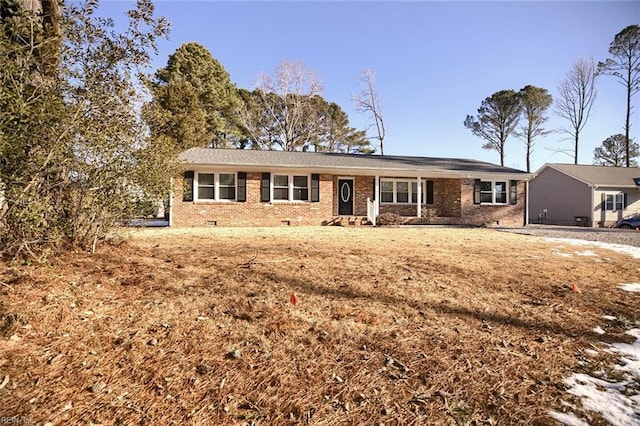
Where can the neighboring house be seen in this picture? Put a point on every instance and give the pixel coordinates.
(568, 194)
(233, 187)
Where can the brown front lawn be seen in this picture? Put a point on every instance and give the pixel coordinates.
(392, 325)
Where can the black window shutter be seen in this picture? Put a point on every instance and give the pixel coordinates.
(513, 197)
(187, 190)
(264, 188)
(242, 186)
(476, 191)
(373, 190)
(429, 192)
(603, 201)
(315, 188)
(624, 196)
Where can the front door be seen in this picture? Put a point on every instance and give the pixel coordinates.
(345, 197)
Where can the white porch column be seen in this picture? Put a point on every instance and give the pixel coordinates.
(376, 199)
(419, 196)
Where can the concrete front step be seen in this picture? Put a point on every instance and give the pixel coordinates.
(353, 221)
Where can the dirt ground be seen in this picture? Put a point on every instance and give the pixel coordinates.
(391, 326)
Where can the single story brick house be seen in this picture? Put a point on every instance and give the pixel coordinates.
(234, 187)
(569, 194)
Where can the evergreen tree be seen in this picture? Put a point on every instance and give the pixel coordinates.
(497, 119)
(194, 102)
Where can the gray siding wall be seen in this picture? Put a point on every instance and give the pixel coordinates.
(562, 196)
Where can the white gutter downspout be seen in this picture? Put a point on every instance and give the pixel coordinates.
(526, 200)
(593, 207)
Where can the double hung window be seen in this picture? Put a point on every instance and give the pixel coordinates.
(290, 188)
(216, 186)
(401, 191)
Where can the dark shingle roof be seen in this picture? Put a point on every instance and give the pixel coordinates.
(342, 162)
(599, 175)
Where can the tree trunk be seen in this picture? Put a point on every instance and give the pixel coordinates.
(575, 155)
(626, 123)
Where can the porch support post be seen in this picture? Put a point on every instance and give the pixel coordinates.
(419, 196)
(376, 200)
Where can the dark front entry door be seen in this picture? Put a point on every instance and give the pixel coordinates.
(345, 197)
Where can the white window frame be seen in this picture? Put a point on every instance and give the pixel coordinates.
(216, 187)
(617, 198)
(409, 183)
(293, 187)
(290, 189)
(494, 192)
(219, 185)
(273, 187)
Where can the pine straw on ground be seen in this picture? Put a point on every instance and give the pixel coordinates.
(392, 326)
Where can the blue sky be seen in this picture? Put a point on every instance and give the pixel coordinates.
(434, 61)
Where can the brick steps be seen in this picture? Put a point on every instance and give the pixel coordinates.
(352, 221)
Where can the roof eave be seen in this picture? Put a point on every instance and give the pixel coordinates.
(367, 171)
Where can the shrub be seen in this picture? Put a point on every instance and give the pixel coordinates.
(389, 219)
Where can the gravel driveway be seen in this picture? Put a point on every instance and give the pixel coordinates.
(628, 237)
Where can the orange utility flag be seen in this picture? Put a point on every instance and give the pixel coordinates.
(575, 288)
(294, 299)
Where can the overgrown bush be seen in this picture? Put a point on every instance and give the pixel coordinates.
(386, 219)
(73, 149)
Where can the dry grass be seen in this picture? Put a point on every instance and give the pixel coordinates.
(393, 326)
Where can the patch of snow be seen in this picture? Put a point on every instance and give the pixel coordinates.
(618, 403)
(632, 287)
(586, 253)
(630, 360)
(591, 351)
(568, 419)
(609, 317)
(605, 398)
(619, 248)
(598, 330)
(561, 254)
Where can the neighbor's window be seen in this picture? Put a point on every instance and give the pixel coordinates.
(300, 188)
(206, 186)
(493, 192)
(614, 202)
(280, 187)
(227, 186)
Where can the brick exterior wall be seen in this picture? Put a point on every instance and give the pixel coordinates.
(478, 214)
(453, 204)
(253, 212)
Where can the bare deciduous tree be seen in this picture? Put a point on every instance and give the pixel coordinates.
(368, 101)
(286, 100)
(577, 92)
